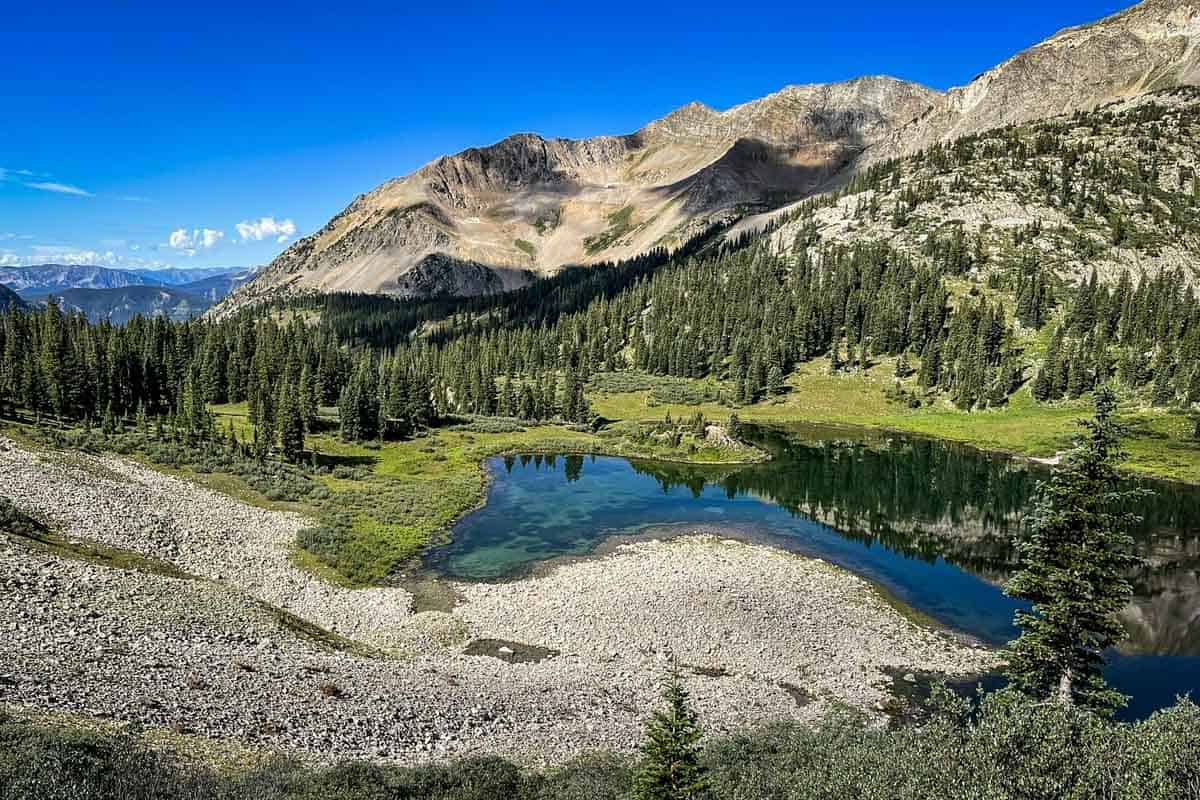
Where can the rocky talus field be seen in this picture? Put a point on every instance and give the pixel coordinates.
(215, 632)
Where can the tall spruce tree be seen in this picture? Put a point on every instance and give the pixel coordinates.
(291, 424)
(1074, 558)
(671, 768)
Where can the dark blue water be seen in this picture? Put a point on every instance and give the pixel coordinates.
(930, 522)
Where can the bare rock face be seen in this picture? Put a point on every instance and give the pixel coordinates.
(1150, 46)
(494, 218)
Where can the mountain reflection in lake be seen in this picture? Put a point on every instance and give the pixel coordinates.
(931, 521)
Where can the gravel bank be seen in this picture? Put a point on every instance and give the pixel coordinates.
(767, 635)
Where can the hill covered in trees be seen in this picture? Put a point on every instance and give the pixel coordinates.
(10, 299)
(1114, 190)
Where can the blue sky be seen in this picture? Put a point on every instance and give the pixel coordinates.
(213, 134)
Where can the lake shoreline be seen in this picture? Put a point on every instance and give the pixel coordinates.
(754, 625)
(668, 532)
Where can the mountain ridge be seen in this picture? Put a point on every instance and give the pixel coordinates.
(42, 279)
(1147, 46)
(494, 218)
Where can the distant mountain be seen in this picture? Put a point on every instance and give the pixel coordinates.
(493, 218)
(47, 278)
(181, 277)
(121, 304)
(1150, 46)
(44, 279)
(216, 287)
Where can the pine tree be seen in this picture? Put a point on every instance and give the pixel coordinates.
(775, 383)
(931, 365)
(1042, 388)
(307, 398)
(291, 424)
(671, 769)
(526, 405)
(1163, 392)
(108, 423)
(835, 360)
(1073, 561)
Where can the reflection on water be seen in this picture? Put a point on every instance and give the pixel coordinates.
(933, 522)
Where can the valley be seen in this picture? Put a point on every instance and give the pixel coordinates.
(841, 442)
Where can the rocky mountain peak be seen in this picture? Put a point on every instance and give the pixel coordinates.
(800, 114)
(495, 217)
(1149, 46)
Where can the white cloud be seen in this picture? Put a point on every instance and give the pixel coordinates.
(267, 228)
(71, 256)
(74, 257)
(12, 174)
(39, 181)
(198, 239)
(59, 188)
(179, 239)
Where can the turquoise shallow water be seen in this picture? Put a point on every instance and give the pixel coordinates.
(931, 522)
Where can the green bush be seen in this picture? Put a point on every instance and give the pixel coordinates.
(491, 425)
(662, 388)
(1008, 749)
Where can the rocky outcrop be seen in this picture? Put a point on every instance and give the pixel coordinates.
(1150, 46)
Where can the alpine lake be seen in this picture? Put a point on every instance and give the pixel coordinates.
(930, 522)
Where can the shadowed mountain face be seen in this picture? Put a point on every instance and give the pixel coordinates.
(494, 218)
(9, 299)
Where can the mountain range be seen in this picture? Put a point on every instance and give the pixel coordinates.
(494, 218)
(118, 295)
(41, 279)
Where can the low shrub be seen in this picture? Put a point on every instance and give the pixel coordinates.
(662, 388)
(1007, 749)
(491, 425)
